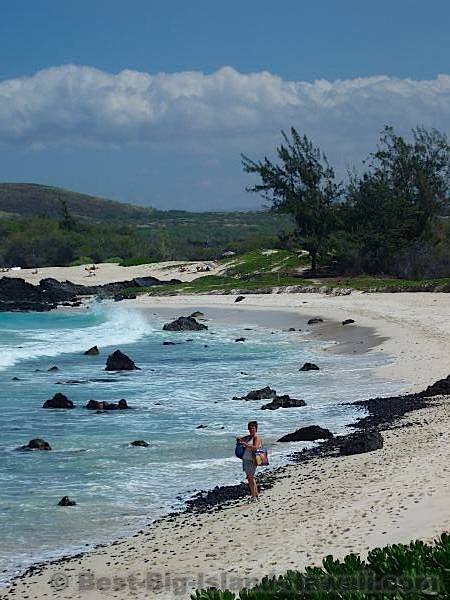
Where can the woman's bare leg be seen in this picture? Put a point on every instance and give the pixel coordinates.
(252, 485)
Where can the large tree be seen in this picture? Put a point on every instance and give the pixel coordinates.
(303, 185)
(394, 203)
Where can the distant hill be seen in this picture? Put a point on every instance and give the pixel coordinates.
(30, 199)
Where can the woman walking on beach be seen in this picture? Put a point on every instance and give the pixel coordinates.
(251, 443)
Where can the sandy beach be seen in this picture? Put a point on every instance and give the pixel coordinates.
(332, 505)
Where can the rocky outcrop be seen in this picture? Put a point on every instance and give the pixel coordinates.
(118, 361)
(307, 434)
(101, 405)
(309, 367)
(36, 444)
(19, 295)
(361, 441)
(66, 501)
(184, 324)
(58, 401)
(441, 387)
(283, 402)
(94, 351)
(265, 393)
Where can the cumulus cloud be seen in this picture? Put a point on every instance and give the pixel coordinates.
(73, 105)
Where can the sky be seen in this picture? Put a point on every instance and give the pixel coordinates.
(153, 103)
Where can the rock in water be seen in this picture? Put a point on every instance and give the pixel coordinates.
(118, 361)
(361, 441)
(240, 298)
(348, 321)
(54, 368)
(309, 367)
(36, 444)
(265, 393)
(315, 320)
(66, 501)
(283, 402)
(58, 401)
(241, 339)
(184, 324)
(307, 434)
(94, 351)
(142, 443)
(196, 314)
(99, 405)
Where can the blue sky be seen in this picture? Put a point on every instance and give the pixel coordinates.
(153, 103)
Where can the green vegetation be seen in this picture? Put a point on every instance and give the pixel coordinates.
(265, 261)
(368, 283)
(386, 220)
(417, 570)
(69, 239)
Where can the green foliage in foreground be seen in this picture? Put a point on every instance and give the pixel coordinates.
(416, 570)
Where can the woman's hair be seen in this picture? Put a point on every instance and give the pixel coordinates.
(253, 423)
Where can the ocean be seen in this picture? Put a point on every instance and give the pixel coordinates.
(120, 488)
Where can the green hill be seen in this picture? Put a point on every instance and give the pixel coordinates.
(30, 199)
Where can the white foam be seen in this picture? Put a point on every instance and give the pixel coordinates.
(117, 325)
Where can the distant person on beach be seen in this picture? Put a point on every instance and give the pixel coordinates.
(251, 443)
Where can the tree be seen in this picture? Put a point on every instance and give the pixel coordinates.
(303, 185)
(394, 203)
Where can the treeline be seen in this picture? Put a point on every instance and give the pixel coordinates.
(389, 218)
(67, 239)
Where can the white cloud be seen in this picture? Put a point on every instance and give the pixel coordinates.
(72, 105)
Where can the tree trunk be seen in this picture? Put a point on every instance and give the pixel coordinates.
(313, 262)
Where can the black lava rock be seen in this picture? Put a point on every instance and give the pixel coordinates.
(309, 367)
(240, 298)
(265, 393)
(94, 351)
(66, 501)
(315, 320)
(140, 443)
(184, 324)
(283, 402)
(361, 441)
(118, 361)
(348, 321)
(36, 444)
(58, 401)
(307, 434)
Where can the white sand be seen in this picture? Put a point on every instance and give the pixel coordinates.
(327, 506)
(110, 272)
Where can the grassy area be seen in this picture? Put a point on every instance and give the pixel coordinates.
(215, 283)
(367, 283)
(263, 261)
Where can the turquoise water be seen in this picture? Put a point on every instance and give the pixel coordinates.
(119, 488)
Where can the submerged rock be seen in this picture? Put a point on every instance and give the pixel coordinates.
(58, 401)
(184, 324)
(102, 405)
(307, 434)
(118, 361)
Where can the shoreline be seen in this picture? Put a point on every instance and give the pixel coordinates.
(38, 575)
